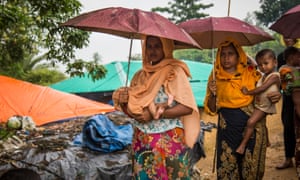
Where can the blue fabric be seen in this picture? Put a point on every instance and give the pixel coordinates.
(101, 134)
(77, 141)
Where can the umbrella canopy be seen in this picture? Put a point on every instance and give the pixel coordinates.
(132, 24)
(288, 24)
(210, 32)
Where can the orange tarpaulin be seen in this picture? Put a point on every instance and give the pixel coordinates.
(43, 104)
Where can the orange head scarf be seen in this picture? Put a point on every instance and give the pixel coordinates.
(174, 75)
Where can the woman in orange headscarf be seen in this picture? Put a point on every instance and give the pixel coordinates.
(161, 145)
(225, 98)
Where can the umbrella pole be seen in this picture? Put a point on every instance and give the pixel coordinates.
(129, 60)
(213, 58)
(212, 55)
(216, 143)
(228, 12)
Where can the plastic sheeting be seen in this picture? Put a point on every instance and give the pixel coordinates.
(43, 104)
(73, 163)
(50, 152)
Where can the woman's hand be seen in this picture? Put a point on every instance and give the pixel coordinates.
(212, 99)
(123, 95)
(274, 96)
(212, 87)
(144, 117)
(176, 111)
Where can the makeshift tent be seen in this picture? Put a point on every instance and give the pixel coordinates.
(43, 104)
(116, 77)
(200, 72)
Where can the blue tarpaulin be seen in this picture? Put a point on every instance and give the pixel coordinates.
(101, 134)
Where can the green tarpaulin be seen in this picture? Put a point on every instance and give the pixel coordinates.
(116, 77)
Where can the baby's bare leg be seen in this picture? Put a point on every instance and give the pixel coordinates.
(255, 117)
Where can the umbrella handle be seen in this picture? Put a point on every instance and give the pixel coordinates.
(129, 60)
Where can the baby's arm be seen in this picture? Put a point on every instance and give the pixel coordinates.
(273, 79)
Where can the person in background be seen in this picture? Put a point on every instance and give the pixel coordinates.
(290, 85)
(225, 99)
(287, 115)
(160, 146)
(288, 42)
(269, 82)
(296, 86)
(289, 70)
(296, 101)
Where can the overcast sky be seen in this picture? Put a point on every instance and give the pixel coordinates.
(113, 48)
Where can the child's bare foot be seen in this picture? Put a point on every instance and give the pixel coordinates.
(170, 99)
(159, 111)
(240, 150)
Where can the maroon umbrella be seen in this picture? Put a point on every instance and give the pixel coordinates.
(289, 23)
(132, 24)
(210, 32)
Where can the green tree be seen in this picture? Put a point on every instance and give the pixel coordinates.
(274, 44)
(93, 68)
(35, 70)
(204, 56)
(44, 76)
(136, 57)
(29, 26)
(271, 10)
(182, 10)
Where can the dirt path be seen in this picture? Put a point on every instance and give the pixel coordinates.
(275, 153)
